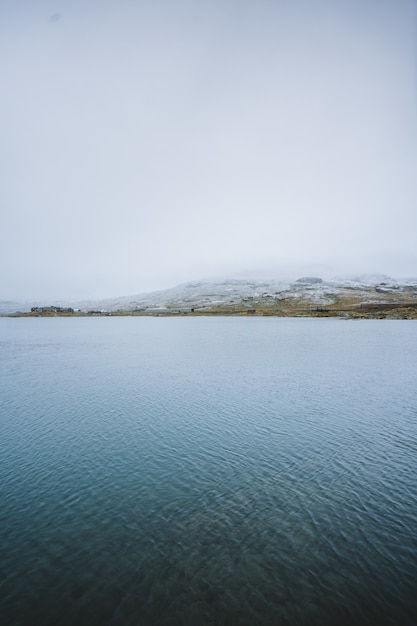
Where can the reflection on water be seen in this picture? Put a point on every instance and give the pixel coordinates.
(208, 471)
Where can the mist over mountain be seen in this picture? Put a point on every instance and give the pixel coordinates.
(146, 144)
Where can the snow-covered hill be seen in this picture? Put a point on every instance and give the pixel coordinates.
(210, 294)
(206, 295)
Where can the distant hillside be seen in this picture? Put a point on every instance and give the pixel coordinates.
(311, 290)
(307, 295)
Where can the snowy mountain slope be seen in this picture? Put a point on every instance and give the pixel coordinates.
(307, 291)
(202, 295)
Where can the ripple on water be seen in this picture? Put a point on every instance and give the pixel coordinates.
(208, 472)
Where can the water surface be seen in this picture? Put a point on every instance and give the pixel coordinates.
(208, 471)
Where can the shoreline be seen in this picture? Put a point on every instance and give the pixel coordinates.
(399, 312)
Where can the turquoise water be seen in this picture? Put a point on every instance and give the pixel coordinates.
(208, 471)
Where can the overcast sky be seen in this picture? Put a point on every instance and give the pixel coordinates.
(144, 143)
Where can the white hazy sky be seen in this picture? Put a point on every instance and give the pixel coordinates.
(144, 143)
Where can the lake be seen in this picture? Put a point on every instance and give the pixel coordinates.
(235, 471)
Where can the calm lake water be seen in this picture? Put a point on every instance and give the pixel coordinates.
(235, 471)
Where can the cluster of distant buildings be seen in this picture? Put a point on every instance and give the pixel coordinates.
(51, 309)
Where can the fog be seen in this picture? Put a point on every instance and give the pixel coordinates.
(144, 144)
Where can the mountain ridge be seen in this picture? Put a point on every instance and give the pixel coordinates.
(229, 295)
